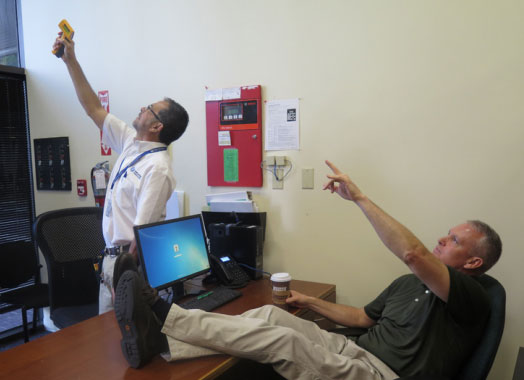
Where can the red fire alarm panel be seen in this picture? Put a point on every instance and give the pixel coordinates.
(234, 136)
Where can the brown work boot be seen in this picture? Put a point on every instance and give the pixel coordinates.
(141, 330)
(124, 261)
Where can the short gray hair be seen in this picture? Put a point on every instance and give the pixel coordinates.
(489, 246)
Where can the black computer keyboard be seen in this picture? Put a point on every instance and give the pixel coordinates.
(211, 300)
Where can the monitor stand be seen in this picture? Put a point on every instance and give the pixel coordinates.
(178, 292)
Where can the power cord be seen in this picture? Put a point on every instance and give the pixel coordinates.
(255, 269)
(274, 170)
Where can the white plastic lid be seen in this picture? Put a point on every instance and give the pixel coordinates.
(280, 277)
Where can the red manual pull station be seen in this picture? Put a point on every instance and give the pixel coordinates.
(81, 187)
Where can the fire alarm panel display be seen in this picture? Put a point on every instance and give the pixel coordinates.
(238, 115)
(235, 162)
(230, 112)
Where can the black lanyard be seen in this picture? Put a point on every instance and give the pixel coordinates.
(121, 172)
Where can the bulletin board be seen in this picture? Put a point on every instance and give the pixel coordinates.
(52, 165)
(234, 136)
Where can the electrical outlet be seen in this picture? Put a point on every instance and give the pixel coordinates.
(279, 185)
(280, 160)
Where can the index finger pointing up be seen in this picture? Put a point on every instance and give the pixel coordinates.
(333, 167)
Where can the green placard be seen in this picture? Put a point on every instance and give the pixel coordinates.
(230, 165)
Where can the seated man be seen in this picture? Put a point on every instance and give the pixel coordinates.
(427, 322)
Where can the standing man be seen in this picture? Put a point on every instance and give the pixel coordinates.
(143, 180)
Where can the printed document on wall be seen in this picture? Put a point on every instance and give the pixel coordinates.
(282, 125)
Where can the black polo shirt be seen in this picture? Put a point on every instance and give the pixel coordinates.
(418, 333)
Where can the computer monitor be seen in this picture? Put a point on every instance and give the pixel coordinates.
(172, 251)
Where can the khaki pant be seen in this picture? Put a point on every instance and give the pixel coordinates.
(105, 297)
(297, 349)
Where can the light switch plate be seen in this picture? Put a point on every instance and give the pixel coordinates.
(308, 178)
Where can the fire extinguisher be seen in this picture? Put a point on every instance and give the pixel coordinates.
(99, 179)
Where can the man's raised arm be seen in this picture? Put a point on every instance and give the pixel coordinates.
(87, 97)
(397, 238)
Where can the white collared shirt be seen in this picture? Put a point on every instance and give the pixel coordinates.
(140, 195)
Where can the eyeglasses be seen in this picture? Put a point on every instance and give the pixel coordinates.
(154, 113)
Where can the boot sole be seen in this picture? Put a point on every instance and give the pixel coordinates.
(132, 343)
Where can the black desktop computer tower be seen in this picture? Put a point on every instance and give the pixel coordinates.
(243, 242)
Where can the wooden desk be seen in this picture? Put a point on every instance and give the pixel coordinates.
(91, 349)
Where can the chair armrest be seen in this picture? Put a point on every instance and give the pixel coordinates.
(349, 331)
(424, 377)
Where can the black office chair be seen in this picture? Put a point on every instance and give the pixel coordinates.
(518, 373)
(479, 364)
(18, 265)
(69, 240)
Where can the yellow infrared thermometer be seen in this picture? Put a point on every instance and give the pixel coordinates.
(67, 33)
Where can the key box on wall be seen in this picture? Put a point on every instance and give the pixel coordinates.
(234, 136)
(53, 170)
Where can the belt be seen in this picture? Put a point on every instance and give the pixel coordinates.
(115, 251)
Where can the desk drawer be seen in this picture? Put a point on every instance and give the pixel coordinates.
(321, 321)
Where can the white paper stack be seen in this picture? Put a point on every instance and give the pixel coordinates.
(238, 201)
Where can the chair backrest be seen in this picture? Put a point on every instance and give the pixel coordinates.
(69, 240)
(18, 263)
(480, 362)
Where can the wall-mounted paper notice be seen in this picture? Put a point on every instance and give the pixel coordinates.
(231, 93)
(213, 95)
(224, 138)
(282, 125)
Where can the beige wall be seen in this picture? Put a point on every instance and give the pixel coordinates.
(419, 101)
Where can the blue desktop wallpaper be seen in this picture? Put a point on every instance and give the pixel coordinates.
(173, 250)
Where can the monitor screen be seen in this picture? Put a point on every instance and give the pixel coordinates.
(172, 251)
